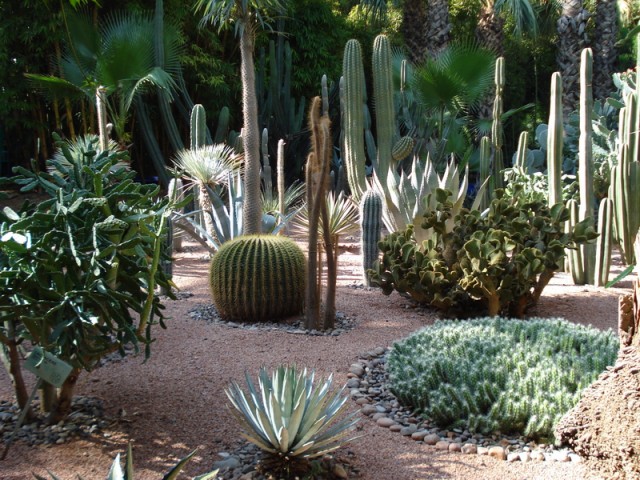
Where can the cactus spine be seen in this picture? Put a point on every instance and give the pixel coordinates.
(258, 277)
(496, 127)
(370, 228)
(555, 141)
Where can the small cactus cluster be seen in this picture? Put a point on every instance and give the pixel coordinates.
(492, 374)
(258, 277)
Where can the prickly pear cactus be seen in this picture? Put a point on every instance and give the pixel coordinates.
(258, 277)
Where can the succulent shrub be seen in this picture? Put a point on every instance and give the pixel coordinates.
(500, 261)
(291, 418)
(498, 374)
(78, 268)
(258, 277)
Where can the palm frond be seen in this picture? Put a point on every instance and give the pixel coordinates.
(342, 215)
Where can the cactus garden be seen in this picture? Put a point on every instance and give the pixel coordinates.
(319, 239)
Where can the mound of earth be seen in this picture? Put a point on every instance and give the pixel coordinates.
(604, 426)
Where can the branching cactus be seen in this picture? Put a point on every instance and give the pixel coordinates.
(370, 228)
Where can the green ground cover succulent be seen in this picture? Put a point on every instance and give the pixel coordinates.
(498, 374)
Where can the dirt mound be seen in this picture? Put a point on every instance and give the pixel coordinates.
(604, 426)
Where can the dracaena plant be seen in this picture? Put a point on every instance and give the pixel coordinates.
(291, 418)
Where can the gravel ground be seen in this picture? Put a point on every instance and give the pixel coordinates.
(174, 403)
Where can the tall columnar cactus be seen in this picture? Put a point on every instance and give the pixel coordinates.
(198, 127)
(555, 141)
(354, 99)
(370, 229)
(101, 107)
(280, 178)
(497, 135)
(485, 169)
(383, 104)
(258, 277)
(521, 153)
(317, 176)
(175, 193)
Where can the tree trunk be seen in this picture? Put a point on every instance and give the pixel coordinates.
(414, 29)
(572, 39)
(62, 406)
(11, 358)
(252, 208)
(438, 26)
(604, 48)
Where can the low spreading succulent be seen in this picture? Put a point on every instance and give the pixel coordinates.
(493, 374)
(290, 418)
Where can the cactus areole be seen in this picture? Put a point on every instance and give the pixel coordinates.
(257, 278)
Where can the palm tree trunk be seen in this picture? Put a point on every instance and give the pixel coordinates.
(604, 48)
(489, 34)
(438, 26)
(414, 29)
(252, 208)
(572, 38)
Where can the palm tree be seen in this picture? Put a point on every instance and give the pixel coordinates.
(572, 39)
(425, 25)
(604, 47)
(118, 56)
(247, 16)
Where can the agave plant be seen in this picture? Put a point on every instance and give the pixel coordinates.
(78, 152)
(342, 216)
(290, 418)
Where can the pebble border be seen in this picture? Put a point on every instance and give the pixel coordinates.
(367, 384)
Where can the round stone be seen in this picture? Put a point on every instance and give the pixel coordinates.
(469, 449)
(442, 445)
(455, 447)
(431, 439)
(497, 452)
(385, 422)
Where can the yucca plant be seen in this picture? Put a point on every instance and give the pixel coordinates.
(291, 418)
(117, 473)
(207, 167)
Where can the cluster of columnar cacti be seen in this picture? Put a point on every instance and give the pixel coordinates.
(625, 177)
(493, 374)
(258, 277)
(388, 147)
(370, 230)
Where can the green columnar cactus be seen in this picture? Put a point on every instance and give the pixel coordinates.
(101, 107)
(370, 229)
(355, 98)
(222, 129)
(198, 127)
(282, 206)
(604, 243)
(521, 153)
(383, 95)
(574, 257)
(555, 141)
(485, 169)
(586, 253)
(258, 277)
(497, 165)
(176, 195)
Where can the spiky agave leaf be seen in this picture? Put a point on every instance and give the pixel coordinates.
(291, 416)
(342, 213)
(208, 165)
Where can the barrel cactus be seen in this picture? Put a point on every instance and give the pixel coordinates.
(258, 277)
